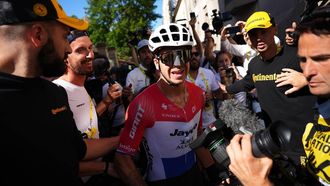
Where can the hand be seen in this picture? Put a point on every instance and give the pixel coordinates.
(114, 91)
(224, 34)
(291, 77)
(192, 22)
(289, 40)
(248, 169)
(222, 87)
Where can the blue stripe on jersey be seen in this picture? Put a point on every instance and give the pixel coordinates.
(177, 166)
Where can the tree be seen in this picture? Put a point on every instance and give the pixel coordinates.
(114, 21)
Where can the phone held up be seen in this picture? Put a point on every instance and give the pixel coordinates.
(233, 30)
(192, 15)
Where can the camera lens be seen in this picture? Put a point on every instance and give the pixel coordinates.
(271, 141)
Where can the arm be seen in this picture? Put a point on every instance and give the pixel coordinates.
(88, 168)
(248, 169)
(114, 92)
(209, 47)
(291, 77)
(192, 23)
(246, 84)
(127, 170)
(99, 147)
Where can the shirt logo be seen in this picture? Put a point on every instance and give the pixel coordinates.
(40, 10)
(164, 106)
(58, 110)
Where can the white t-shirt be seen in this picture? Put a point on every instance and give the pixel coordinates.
(83, 108)
(206, 81)
(138, 79)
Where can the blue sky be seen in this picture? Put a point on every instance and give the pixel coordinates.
(76, 7)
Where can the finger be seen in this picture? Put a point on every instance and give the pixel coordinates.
(287, 70)
(294, 25)
(291, 90)
(246, 145)
(282, 83)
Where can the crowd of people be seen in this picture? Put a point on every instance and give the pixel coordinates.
(72, 119)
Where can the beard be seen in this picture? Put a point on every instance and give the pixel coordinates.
(51, 64)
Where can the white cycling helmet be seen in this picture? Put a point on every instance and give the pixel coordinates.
(170, 35)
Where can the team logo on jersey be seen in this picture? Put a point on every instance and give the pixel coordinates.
(136, 122)
(57, 110)
(164, 106)
(193, 109)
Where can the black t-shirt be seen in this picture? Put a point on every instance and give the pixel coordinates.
(294, 110)
(40, 144)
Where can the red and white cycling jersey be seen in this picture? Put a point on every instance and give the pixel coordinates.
(167, 128)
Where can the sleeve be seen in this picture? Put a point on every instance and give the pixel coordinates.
(246, 84)
(130, 79)
(237, 50)
(76, 135)
(136, 121)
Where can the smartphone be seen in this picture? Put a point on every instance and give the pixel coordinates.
(233, 30)
(192, 15)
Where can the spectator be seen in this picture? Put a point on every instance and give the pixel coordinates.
(79, 65)
(313, 49)
(41, 141)
(262, 74)
(204, 79)
(167, 116)
(143, 75)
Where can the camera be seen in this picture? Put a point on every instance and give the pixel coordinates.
(217, 21)
(269, 142)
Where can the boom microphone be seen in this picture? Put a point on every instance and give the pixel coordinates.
(239, 118)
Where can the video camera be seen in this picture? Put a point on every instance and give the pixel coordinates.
(217, 21)
(269, 142)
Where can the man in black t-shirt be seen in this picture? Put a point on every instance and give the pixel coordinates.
(292, 110)
(39, 140)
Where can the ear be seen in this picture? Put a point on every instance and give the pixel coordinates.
(38, 35)
(156, 62)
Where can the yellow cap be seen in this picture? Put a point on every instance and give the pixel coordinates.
(78, 24)
(258, 20)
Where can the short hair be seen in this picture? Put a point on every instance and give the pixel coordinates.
(318, 22)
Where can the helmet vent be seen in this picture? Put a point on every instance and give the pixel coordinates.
(165, 37)
(174, 28)
(156, 40)
(162, 31)
(185, 37)
(176, 37)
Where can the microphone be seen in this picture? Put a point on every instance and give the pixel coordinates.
(239, 118)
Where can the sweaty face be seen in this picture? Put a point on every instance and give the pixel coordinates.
(52, 55)
(173, 65)
(315, 62)
(262, 38)
(81, 58)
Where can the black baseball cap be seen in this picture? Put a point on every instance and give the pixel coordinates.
(20, 11)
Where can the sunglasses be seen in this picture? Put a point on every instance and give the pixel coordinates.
(175, 57)
(74, 34)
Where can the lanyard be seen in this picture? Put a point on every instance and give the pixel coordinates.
(203, 79)
(144, 73)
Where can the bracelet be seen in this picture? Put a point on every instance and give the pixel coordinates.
(106, 167)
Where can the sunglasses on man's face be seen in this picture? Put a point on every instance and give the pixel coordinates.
(175, 57)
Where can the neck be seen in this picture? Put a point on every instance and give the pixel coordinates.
(270, 53)
(75, 79)
(193, 73)
(176, 94)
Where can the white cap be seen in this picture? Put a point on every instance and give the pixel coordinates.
(142, 43)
